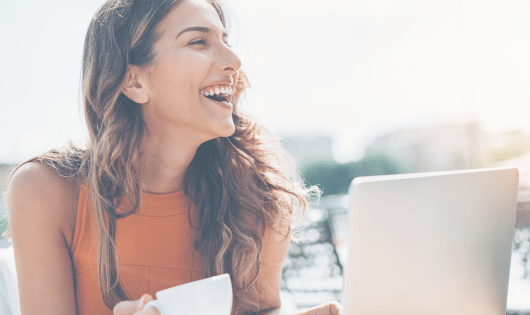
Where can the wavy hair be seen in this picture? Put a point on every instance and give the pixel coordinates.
(240, 185)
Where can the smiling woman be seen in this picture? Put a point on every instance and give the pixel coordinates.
(192, 58)
(175, 182)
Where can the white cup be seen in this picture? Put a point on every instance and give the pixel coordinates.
(210, 296)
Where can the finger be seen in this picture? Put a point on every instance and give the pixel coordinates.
(322, 309)
(335, 308)
(330, 308)
(125, 308)
(143, 300)
(151, 310)
(130, 307)
(326, 309)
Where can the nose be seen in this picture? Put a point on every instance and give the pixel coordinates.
(229, 61)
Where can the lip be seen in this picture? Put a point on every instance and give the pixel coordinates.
(220, 82)
(228, 81)
(220, 103)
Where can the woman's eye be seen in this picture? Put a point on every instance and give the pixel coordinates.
(199, 42)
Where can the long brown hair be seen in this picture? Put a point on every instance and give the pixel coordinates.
(240, 185)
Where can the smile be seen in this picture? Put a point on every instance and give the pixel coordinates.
(219, 93)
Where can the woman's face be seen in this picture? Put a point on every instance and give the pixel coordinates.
(193, 61)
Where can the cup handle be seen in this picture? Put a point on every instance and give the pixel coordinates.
(155, 304)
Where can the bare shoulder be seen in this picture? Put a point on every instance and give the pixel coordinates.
(39, 177)
(37, 192)
(42, 212)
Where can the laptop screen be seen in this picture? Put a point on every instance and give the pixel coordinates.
(430, 243)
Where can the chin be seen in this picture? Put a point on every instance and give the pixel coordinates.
(228, 131)
(224, 130)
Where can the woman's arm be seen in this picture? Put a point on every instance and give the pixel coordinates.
(276, 243)
(42, 206)
(275, 248)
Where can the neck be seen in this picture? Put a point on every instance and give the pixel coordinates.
(165, 161)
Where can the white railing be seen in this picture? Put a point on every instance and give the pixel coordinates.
(8, 283)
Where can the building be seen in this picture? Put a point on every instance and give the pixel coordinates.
(435, 148)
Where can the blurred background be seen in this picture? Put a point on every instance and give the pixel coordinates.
(353, 88)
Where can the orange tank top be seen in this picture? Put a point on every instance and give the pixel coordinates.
(155, 250)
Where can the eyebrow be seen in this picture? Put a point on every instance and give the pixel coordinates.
(198, 29)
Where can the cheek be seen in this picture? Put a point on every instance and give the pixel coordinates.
(185, 73)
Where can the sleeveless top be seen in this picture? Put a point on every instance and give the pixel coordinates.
(154, 246)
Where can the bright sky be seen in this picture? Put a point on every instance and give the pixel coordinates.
(350, 69)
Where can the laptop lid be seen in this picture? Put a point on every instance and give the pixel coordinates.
(430, 243)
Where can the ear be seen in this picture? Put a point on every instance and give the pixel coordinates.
(134, 86)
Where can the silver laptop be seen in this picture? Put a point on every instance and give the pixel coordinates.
(430, 243)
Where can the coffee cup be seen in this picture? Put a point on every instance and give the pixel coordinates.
(210, 296)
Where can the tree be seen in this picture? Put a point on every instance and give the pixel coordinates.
(334, 178)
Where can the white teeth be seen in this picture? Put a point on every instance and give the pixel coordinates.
(219, 89)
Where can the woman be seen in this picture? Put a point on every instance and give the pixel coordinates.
(99, 229)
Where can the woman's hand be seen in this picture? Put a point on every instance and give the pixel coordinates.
(330, 308)
(135, 307)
